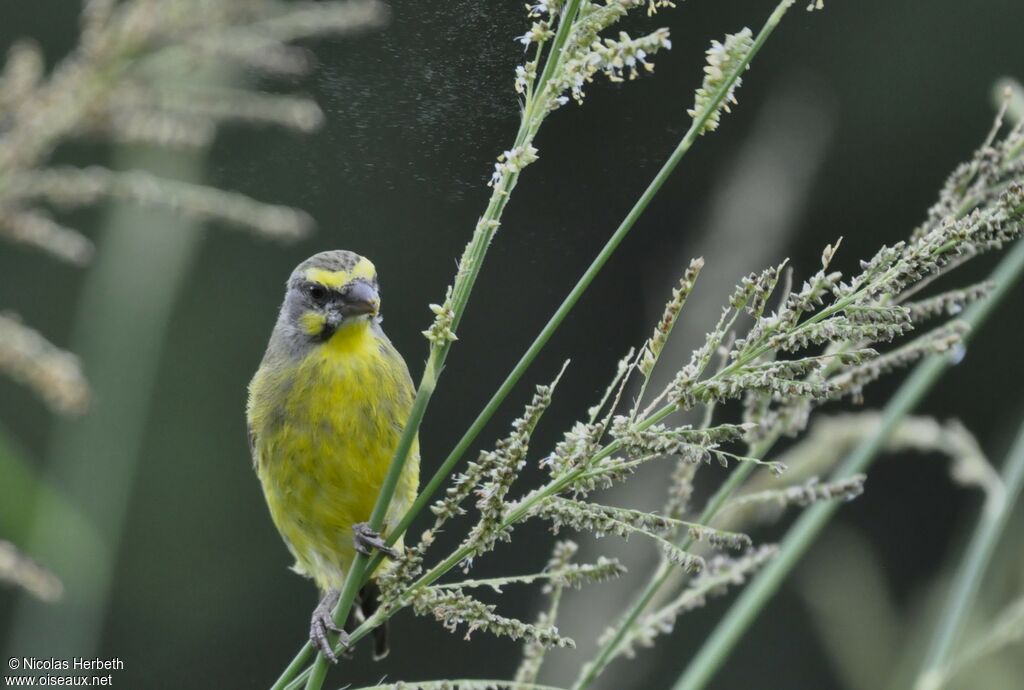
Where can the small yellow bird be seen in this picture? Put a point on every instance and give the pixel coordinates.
(325, 412)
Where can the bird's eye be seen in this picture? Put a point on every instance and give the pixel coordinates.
(317, 292)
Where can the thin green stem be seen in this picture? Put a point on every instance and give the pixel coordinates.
(746, 608)
(496, 582)
(565, 23)
(293, 674)
(964, 590)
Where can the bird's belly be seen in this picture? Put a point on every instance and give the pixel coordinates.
(316, 497)
(323, 465)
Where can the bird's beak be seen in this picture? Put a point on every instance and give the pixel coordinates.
(360, 298)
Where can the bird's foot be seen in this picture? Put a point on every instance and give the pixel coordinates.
(322, 623)
(366, 541)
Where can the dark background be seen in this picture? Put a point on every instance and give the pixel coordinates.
(415, 115)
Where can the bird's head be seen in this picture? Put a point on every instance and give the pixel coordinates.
(329, 292)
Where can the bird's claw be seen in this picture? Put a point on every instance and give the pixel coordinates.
(367, 540)
(321, 625)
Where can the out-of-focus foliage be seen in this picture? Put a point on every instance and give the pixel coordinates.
(137, 76)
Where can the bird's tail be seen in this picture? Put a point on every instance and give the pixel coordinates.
(369, 600)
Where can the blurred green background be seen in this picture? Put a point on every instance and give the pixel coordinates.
(859, 111)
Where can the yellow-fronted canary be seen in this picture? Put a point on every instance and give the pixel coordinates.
(325, 412)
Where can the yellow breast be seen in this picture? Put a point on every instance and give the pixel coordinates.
(325, 427)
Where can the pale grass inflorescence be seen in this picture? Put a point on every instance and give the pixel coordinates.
(145, 72)
(18, 570)
(149, 72)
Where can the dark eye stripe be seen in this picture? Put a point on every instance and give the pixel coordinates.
(321, 293)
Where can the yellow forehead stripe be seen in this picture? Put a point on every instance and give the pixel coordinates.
(336, 279)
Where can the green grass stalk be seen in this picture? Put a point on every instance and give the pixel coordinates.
(964, 591)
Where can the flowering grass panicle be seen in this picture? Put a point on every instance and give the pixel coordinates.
(722, 58)
(803, 495)
(656, 343)
(452, 608)
(54, 374)
(721, 573)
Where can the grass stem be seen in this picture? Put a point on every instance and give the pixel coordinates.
(964, 590)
